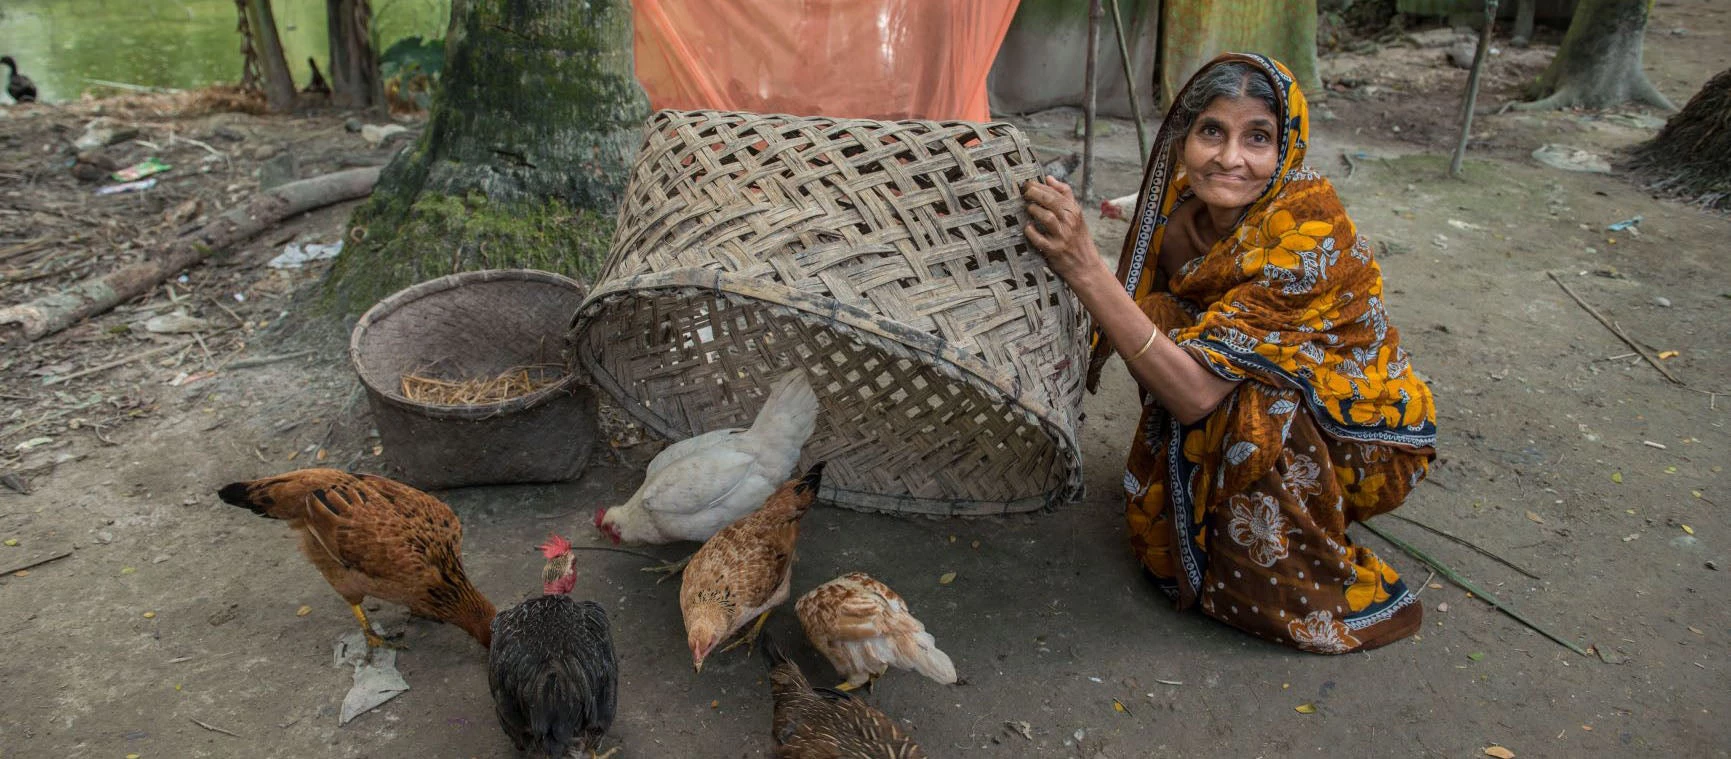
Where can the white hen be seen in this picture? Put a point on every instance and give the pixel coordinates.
(701, 484)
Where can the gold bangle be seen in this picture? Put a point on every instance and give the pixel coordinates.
(1145, 346)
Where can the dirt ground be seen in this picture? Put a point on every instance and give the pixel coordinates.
(170, 627)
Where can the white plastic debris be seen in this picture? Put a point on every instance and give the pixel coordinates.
(376, 680)
(1571, 159)
(295, 255)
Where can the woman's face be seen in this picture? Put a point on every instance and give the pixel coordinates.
(1230, 152)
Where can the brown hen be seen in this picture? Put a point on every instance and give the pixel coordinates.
(371, 536)
(744, 570)
(825, 723)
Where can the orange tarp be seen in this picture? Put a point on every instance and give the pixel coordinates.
(880, 59)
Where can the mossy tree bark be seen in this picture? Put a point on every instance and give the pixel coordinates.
(1691, 156)
(1599, 63)
(523, 158)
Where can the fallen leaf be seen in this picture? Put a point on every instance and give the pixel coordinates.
(1667, 354)
(1670, 470)
(952, 538)
(1688, 529)
(303, 611)
(946, 578)
(10, 541)
(1696, 630)
(1617, 477)
(1444, 606)
(1170, 682)
(378, 450)
(1118, 706)
(1305, 708)
(150, 615)
(321, 455)
(127, 570)
(1476, 655)
(976, 544)
(1022, 728)
(1499, 752)
(21, 573)
(1695, 493)
(716, 704)
(131, 756)
(1588, 728)
(1535, 518)
(1435, 586)
(1285, 686)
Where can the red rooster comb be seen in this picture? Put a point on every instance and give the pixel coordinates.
(555, 546)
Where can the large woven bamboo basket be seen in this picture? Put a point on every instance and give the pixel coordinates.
(886, 260)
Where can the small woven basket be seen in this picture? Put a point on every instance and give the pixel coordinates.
(886, 260)
(476, 325)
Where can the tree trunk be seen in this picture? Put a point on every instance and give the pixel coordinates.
(279, 84)
(354, 64)
(523, 158)
(1691, 156)
(1193, 33)
(1599, 63)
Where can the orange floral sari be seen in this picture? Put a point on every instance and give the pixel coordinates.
(1244, 513)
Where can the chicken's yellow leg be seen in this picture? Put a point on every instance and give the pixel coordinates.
(373, 639)
(669, 570)
(750, 636)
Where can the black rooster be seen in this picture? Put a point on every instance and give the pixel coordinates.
(18, 85)
(824, 723)
(551, 666)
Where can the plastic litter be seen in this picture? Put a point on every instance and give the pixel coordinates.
(376, 680)
(295, 255)
(140, 170)
(116, 189)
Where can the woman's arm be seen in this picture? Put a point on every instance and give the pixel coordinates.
(1181, 383)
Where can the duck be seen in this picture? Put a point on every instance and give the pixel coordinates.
(18, 85)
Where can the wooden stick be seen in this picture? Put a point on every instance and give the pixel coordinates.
(1472, 98)
(34, 563)
(246, 363)
(70, 305)
(1467, 543)
(1455, 578)
(117, 362)
(1615, 330)
(1088, 95)
(212, 728)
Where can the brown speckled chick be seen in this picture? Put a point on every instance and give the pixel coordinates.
(824, 723)
(744, 571)
(371, 536)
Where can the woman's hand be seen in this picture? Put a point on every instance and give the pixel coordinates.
(1059, 232)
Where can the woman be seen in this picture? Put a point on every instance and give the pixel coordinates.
(1278, 404)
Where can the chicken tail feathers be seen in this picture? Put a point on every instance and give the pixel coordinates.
(926, 659)
(789, 414)
(771, 650)
(241, 494)
(812, 480)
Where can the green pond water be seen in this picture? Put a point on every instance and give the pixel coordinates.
(62, 44)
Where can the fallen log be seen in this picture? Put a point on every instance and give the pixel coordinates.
(52, 313)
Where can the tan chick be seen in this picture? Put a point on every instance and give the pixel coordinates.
(864, 628)
(745, 570)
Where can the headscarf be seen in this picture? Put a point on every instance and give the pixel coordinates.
(1292, 297)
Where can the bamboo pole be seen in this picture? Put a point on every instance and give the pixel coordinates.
(1089, 90)
(1472, 98)
(1130, 82)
